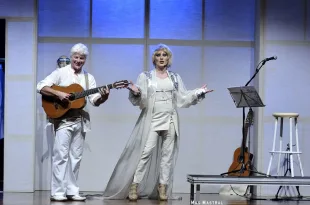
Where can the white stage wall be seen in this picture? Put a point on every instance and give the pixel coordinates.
(212, 43)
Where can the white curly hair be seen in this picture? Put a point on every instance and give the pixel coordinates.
(80, 49)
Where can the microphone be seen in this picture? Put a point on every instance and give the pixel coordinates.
(271, 58)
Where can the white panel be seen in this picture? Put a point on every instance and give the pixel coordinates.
(43, 155)
(226, 67)
(21, 40)
(18, 169)
(19, 110)
(286, 79)
(17, 8)
(285, 20)
(19, 106)
(229, 20)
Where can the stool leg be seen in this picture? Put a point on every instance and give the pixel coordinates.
(280, 148)
(192, 192)
(291, 147)
(297, 147)
(274, 144)
(197, 192)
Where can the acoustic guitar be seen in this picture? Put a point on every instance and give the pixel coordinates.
(241, 155)
(55, 108)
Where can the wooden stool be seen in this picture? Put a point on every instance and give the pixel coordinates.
(291, 116)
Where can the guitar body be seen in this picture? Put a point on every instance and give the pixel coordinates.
(242, 158)
(237, 164)
(54, 108)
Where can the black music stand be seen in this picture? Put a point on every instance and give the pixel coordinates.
(245, 97)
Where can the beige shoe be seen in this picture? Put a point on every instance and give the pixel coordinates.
(133, 195)
(162, 192)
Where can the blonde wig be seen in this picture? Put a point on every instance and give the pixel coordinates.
(166, 49)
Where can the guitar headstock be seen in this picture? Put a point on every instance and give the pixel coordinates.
(249, 118)
(120, 84)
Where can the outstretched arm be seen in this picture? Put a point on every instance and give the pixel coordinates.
(186, 98)
(100, 97)
(138, 92)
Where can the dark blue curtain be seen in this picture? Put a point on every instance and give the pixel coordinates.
(1, 100)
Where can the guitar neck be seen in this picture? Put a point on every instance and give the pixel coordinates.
(85, 93)
(245, 129)
(244, 138)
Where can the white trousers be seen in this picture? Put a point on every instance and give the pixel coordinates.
(166, 154)
(66, 159)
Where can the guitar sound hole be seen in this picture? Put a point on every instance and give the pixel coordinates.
(61, 104)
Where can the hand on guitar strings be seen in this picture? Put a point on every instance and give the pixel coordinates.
(206, 90)
(133, 88)
(63, 96)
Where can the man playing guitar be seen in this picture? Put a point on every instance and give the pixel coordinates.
(71, 128)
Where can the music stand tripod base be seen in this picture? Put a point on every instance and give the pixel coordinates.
(243, 97)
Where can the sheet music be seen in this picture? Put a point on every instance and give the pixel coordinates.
(245, 97)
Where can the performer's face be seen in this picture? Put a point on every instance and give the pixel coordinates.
(78, 61)
(161, 59)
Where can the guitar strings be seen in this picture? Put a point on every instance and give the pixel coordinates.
(89, 92)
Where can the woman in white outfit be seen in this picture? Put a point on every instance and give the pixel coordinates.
(150, 155)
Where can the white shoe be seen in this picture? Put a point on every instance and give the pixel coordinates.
(58, 198)
(77, 198)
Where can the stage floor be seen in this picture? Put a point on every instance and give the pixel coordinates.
(42, 198)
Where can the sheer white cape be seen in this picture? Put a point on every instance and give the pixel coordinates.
(122, 176)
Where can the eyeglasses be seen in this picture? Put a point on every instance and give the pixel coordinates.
(63, 60)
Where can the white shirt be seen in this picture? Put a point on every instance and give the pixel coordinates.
(64, 77)
(163, 107)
